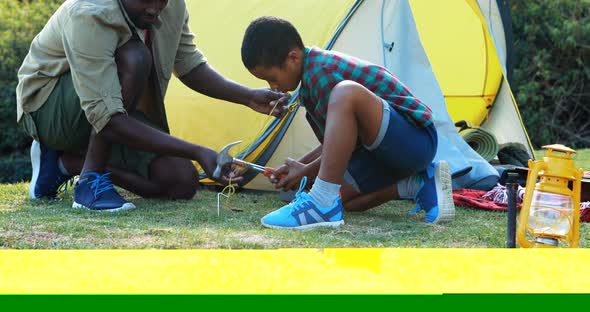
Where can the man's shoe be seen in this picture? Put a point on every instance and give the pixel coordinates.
(46, 178)
(302, 213)
(435, 195)
(96, 192)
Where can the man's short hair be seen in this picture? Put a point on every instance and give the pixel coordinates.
(267, 42)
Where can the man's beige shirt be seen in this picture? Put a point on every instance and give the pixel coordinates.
(82, 37)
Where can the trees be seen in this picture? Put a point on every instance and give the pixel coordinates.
(552, 70)
(20, 22)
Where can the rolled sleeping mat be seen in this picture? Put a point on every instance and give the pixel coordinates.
(514, 154)
(481, 141)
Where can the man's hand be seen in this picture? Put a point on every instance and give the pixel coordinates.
(264, 100)
(208, 161)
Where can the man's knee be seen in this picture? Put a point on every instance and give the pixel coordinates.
(134, 59)
(183, 191)
(177, 177)
(185, 186)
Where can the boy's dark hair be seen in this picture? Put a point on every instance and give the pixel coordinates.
(267, 42)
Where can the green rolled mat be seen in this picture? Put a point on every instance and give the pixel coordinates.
(481, 141)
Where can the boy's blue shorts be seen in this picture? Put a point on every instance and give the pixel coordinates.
(400, 151)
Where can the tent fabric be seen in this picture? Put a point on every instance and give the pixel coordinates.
(416, 57)
(443, 50)
(219, 27)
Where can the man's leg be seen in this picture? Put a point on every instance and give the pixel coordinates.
(58, 125)
(94, 189)
(169, 177)
(134, 63)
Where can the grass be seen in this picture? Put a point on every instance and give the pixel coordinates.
(194, 224)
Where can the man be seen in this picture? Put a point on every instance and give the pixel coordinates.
(91, 94)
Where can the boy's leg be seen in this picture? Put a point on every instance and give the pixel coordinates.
(406, 152)
(398, 164)
(356, 201)
(354, 113)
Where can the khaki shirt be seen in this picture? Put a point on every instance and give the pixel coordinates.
(82, 37)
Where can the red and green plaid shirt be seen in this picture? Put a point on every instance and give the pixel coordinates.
(324, 69)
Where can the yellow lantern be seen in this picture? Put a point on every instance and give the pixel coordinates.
(550, 211)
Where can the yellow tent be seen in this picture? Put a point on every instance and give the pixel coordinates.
(445, 51)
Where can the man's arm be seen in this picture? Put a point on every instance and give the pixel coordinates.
(206, 80)
(126, 130)
(192, 69)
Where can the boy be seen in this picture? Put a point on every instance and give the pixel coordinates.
(377, 140)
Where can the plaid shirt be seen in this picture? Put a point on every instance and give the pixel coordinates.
(324, 69)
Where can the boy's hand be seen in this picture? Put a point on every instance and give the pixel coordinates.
(264, 100)
(208, 162)
(293, 173)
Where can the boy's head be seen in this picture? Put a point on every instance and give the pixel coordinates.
(272, 50)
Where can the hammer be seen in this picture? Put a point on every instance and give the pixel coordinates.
(224, 159)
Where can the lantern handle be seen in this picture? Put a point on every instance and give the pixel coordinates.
(559, 148)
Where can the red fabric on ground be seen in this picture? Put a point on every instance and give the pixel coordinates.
(475, 199)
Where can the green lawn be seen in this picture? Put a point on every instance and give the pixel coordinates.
(194, 224)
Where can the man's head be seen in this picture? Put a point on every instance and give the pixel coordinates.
(143, 13)
(272, 50)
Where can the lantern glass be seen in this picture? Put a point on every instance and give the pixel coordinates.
(550, 215)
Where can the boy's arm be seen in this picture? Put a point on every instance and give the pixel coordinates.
(206, 80)
(312, 155)
(295, 170)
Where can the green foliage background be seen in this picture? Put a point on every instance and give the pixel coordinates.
(20, 21)
(551, 80)
(552, 72)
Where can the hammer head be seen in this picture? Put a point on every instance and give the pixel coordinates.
(224, 159)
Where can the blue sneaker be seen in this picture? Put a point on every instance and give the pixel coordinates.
(96, 192)
(46, 178)
(302, 213)
(435, 195)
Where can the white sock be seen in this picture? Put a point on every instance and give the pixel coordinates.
(324, 193)
(408, 187)
(62, 168)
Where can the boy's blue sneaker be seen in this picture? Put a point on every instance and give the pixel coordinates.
(435, 195)
(96, 192)
(46, 178)
(302, 213)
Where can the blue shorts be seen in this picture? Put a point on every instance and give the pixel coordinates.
(400, 150)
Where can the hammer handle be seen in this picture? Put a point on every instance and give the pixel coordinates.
(269, 171)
